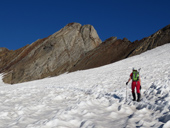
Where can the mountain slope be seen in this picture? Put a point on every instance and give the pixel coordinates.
(74, 47)
(113, 50)
(157, 39)
(94, 97)
(50, 56)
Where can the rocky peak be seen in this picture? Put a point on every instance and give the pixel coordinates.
(157, 39)
(3, 49)
(74, 47)
(125, 40)
(112, 50)
(53, 55)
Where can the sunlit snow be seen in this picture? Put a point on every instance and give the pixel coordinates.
(94, 98)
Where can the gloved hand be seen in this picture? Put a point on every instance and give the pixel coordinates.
(126, 83)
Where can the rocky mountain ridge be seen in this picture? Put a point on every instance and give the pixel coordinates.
(114, 49)
(75, 47)
(50, 56)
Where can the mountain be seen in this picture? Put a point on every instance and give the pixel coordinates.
(114, 49)
(50, 56)
(74, 47)
(94, 98)
(157, 39)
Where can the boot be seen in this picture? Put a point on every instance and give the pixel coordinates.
(134, 96)
(138, 100)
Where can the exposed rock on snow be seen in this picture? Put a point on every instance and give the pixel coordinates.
(113, 50)
(50, 56)
(75, 47)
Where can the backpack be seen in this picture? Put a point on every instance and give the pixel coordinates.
(135, 75)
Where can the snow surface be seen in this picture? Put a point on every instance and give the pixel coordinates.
(94, 98)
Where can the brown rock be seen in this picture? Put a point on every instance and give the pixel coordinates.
(74, 47)
(51, 56)
(157, 39)
(113, 50)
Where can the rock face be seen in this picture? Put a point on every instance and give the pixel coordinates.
(50, 56)
(109, 51)
(157, 39)
(113, 50)
(75, 47)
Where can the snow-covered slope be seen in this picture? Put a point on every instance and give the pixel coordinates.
(94, 98)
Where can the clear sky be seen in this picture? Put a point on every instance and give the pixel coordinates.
(24, 21)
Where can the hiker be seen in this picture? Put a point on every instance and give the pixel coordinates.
(136, 82)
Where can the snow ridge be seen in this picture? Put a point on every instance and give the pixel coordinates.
(94, 98)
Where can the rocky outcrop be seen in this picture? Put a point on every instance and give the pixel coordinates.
(157, 39)
(8, 58)
(50, 56)
(75, 47)
(109, 51)
(113, 50)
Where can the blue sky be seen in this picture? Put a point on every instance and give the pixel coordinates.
(24, 21)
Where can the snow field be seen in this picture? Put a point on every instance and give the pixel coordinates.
(94, 98)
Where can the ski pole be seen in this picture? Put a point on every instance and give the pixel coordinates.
(126, 92)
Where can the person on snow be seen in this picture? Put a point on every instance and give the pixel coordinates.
(136, 83)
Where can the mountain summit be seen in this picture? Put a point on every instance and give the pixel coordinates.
(74, 47)
(114, 49)
(50, 56)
